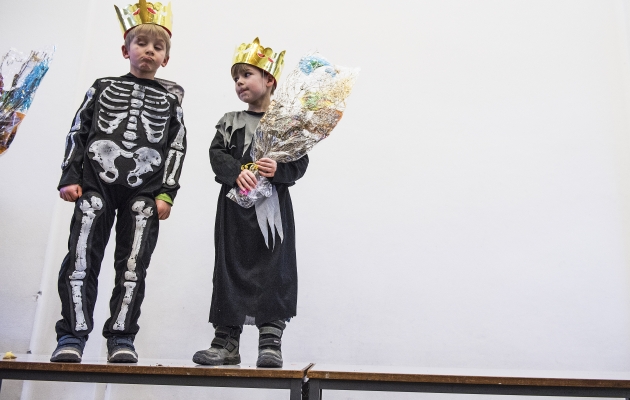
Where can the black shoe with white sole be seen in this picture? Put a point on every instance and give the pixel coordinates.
(69, 349)
(120, 349)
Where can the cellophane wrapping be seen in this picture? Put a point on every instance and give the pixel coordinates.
(20, 77)
(305, 110)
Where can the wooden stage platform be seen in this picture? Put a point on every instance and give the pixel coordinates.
(467, 381)
(157, 372)
(310, 381)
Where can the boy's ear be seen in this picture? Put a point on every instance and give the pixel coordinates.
(270, 80)
(125, 52)
(165, 61)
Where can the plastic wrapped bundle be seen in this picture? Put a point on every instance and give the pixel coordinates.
(305, 109)
(20, 77)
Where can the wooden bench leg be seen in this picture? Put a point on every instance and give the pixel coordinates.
(314, 391)
(296, 389)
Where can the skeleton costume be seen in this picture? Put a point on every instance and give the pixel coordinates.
(125, 149)
(253, 283)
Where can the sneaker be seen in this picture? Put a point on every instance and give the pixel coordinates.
(224, 348)
(69, 349)
(120, 350)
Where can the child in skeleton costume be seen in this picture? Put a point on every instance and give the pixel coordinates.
(255, 281)
(123, 159)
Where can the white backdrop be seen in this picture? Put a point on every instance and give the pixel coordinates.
(471, 210)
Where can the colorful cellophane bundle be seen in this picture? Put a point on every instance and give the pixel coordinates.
(20, 77)
(305, 109)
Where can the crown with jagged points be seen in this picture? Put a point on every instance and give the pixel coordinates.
(144, 12)
(262, 57)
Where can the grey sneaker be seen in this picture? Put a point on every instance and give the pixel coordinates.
(224, 348)
(120, 349)
(269, 344)
(69, 349)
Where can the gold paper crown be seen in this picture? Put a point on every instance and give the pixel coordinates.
(262, 57)
(145, 13)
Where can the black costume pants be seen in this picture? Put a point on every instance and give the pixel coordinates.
(137, 229)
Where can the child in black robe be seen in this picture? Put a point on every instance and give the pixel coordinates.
(255, 282)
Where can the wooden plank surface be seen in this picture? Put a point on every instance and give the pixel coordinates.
(27, 362)
(583, 379)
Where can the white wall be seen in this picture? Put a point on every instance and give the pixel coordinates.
(473, 204)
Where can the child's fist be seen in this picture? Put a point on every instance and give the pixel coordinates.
(70, 192)
(267, 167)
(163, 209)
(246, 180)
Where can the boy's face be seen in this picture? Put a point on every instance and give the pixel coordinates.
(251, 86)
(146, 54)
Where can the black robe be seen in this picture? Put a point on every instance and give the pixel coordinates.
(252, 283)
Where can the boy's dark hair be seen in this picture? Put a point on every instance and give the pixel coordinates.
(239, 68)
(151, 30)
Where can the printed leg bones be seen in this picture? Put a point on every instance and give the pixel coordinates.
(141, 217)
(76, 279)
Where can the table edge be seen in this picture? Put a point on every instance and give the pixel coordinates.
(210, 371)
(467, 380)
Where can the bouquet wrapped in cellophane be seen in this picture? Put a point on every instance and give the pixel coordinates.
(20, 77)
(305, 109)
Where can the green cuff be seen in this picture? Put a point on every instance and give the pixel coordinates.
(164, 197)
